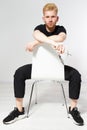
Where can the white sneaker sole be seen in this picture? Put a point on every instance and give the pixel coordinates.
(75, 121)
(16, 119)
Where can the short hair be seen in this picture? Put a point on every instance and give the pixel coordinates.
(49, 7)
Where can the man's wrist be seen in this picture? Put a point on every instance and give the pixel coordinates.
(53, 43)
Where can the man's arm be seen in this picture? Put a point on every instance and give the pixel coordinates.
(58, 38)
(42, 38)
(31, 45)
(53, 40)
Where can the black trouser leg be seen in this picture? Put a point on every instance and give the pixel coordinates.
(74, 78)
(21, 74)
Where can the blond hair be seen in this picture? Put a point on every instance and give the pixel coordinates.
(50, 7)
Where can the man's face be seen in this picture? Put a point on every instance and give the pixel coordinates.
(50, 18)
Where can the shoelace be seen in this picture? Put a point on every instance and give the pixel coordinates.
(76, 112)
(13, 113)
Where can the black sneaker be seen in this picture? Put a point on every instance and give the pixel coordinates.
(76, 116)
(14, 116)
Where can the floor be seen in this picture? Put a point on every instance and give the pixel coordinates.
(48, 114)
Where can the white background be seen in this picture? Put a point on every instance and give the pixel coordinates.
(17, 21)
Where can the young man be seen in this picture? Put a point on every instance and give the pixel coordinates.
(53, 34)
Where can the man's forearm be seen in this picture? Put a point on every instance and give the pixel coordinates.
(39, 36)
(58, 38)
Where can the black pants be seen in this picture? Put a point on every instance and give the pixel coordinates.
(23, 73)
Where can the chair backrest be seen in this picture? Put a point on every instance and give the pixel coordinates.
(46, 64)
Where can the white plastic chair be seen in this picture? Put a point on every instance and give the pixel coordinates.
(46, 65)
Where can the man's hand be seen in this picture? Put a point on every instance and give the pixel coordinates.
(30, 46)
(59, 48)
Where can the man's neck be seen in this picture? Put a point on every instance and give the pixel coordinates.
(50, 29)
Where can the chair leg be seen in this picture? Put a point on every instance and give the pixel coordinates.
(35, 94)
(30, 98)
(65, 100)
(36, 90)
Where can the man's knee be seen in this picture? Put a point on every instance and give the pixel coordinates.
(78, 76)
(18, 74)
